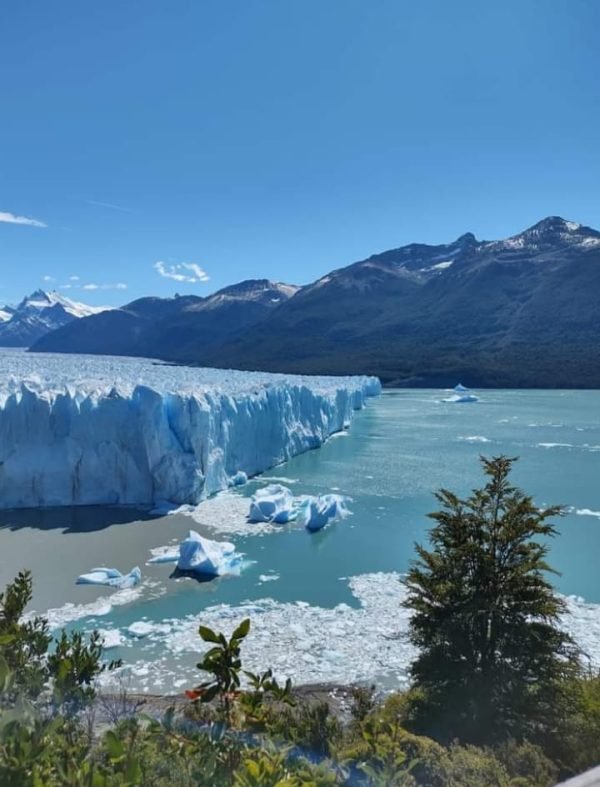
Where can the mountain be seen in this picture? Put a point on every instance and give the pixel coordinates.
(177, 329)
(37, 315)
(516, 312)
(519, 312)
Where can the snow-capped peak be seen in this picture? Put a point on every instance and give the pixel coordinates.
(40, 299)
(37, 315)
(550, 232)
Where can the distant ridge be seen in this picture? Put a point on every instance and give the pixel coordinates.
(177, 329)
(518, 312)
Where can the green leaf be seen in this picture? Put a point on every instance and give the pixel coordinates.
(114, 746)
(242, 630)
(208, 635)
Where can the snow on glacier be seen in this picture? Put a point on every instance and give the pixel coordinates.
(80, 430)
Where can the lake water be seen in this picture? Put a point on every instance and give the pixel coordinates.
(325, 606)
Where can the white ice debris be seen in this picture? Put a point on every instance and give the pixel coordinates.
(275, 503)
(311, 644)
(239, 479)
(111, 577)
(316, 512)
(78, 430)
(168, 554)
(207, 558)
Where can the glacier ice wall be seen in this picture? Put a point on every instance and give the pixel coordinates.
(77, 430)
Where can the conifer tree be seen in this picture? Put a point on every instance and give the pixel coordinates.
(493, 659)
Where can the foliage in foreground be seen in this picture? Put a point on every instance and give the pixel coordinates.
(493, 661)
(247, 730)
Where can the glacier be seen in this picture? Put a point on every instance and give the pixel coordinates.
(97, 430)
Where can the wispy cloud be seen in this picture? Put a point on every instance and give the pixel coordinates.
(109, 205)
(188, 272)
(48, 278)
(73, 284)
(91, 286)
(12, 218)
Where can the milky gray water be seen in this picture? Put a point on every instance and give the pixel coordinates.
(326, 606)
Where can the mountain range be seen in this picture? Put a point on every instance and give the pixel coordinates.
(516, 312)
(39, 314)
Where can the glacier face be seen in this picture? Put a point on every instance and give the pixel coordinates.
(84, 430)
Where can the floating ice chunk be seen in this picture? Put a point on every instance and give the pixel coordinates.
(274, 503)
(111, 638)
(268, 578)
(461, 394)
(459, 398)
(475, 438)
(169, 554)
(111, 577)
(207, 558)
(316, 512)
(239, 479)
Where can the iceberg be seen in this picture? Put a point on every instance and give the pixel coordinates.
(95, 430)
(274, 503)
(207, 558)
(111, 577)
(316, 512)
(461, 395)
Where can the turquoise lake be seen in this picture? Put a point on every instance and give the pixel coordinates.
(401, 448)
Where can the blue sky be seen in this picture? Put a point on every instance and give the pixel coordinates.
(281, 139)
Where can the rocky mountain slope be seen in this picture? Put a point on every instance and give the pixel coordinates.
(516, 312)
(177, 329)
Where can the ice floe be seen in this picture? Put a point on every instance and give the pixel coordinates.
(111, 577)
(476, 438)
(68, 613)
(343, 644)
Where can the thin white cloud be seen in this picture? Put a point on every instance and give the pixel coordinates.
(92, 286)
(188, 272)
(48, 278)
(12, 218)
(109, 205)
(74, 278)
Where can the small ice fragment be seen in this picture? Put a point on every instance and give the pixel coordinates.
(110, 577)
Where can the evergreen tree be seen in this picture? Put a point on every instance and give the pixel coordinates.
(492, 660)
